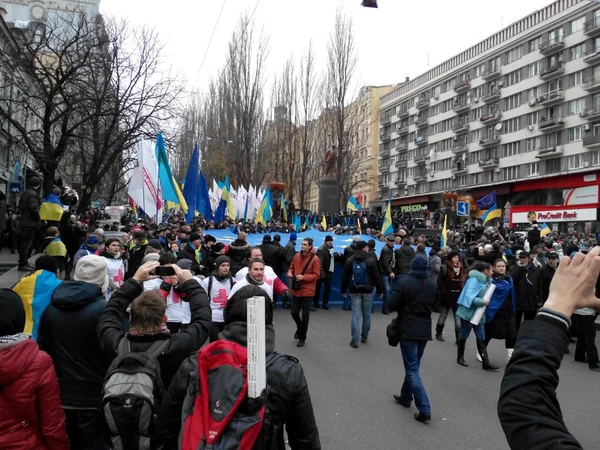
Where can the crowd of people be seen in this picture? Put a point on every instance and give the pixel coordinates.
(100, 295)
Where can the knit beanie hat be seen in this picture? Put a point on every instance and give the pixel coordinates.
(222, 259)
(155, 244)
(91, 240)
(185, 264)
(92, 269)
(12, 313)
(419, 265)
(328, 238)
(293, 237)
(150, 257)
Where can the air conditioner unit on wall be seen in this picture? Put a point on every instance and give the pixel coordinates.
(587, 127)
(530, 127)
(454, 177)
(498, 170)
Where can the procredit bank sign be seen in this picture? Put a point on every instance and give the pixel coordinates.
(559, 215)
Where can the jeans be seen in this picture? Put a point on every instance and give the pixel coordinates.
(326, 291)
(301, 304)
(465, 330)
(25, 241)
(361, 303)
(444, 314)
(83, 429)
(586, 342)
(412, 352)
(388, 288)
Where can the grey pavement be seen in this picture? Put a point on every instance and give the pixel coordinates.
(352, 389)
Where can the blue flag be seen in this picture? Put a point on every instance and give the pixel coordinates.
(190, 189)
(202, 199)
(488, 201)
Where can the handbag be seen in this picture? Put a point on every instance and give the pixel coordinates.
(296, 285)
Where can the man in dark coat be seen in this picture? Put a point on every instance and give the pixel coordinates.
(271, 253)
(414, 299)
(278, 267)
(193, 252)
(527, 288)
(387, 264)
(326, 257)
(148, 319)
(29, 206)
(547, 274)
(404, 256)
(137, 251)
(238, 252)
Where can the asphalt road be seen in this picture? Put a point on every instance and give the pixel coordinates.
(352, 389)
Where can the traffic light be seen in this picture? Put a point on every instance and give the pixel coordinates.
(369, 3)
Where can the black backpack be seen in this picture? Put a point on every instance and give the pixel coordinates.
(131, 396)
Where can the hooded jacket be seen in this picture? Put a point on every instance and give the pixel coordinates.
(288, 399)
(238, 251)
(31, 415)
(372, 272)
(404, 256)
(67, 332)
(29, 205)
(471, 297)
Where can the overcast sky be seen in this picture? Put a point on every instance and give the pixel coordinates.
(401, 38)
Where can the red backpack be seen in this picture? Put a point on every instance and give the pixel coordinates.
(217, 413)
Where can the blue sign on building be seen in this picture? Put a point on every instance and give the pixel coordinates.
(462, 209)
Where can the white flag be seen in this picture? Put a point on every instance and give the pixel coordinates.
(144, 188)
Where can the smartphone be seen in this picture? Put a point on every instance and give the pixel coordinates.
(164, 271)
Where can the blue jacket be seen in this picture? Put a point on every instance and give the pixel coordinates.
(504, 287)
(471, 297)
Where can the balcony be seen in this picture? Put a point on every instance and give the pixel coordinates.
(385, 137)
(491, 119)
(551, 46)
(492, 73)
(459, 149)
(490, 141)
(422, 104)
(591, 113)
(420, 177)
(384, 153)
(402, 113)
(401, 146)
(461, 128)
(552, 72)
(402, 131)
(490, 163)
(384, 168)
(551, 98)
(401, 163)
(421, 141)
(386, 120)
(550, 152)
(460, 170)
(551, 124)
(592, 56)
(422, 123)
(592, 141)
(491, 96)
(400, 182)
(421, 158)
(592, 28)
(461, 107)
(592, 84)
(462, 86)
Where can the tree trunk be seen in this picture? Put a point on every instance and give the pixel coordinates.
(84, 201)
(48, 172)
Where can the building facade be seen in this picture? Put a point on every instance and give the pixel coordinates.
(44, 10)
(517, 113)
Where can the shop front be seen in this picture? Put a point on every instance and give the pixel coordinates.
(420, 208)
(563, 219)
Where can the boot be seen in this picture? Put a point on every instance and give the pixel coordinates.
(439, 332)
(509, 352)
(460, 358)
(486, 364)
(456, 334)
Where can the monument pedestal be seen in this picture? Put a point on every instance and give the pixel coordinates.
(329, 196)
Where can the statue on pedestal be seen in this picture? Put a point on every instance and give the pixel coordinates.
(330, 162)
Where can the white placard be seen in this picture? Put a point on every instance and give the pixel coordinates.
(481, 310)
(257, 372)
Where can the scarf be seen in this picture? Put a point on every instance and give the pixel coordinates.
(197, 252)
(108, 255)
(238, 332)
(504, 287)
(218, 277)
(14, 338)
(163, 330)
(252, 281)
(88, 249)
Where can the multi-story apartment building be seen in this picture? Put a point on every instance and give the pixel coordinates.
(518, 113)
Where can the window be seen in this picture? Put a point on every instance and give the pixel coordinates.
(512, 78)
(533, 144)
(534, 93)
(577, 25)
(533, 118)
(511, 149)
(576, 106)
(510, 173)
(555, 36)
(513, 55)
(596, 158)
(462, 180)
(576, 52)
(476, 179)
(533, 69)
(553, 165)
(475, 157)
(475, 135)
(532, 169)
(534, 44)
(512, 102)
(575, 162)
(576, 79)
(575, 134)
(511, 125)
(479, 70)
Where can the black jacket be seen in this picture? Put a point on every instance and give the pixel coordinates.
(272, 255)
(289, 253)
(349, 251)
(29, 205)
(527, 287)
(528, 409)
(288, 402)
(67, 332)
(278, 267)
(111, 327)
(386, 260)
(188, 252)
(404, 256)
(414, 299)
(546, 275)
(135, 260)
(372, 271)
(238, 252)
(534, 237)
(325, 258)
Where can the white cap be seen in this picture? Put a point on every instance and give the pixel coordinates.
(92, 269)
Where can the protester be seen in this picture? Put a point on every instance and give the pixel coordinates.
(56, 249)
(404, 255)
(29, 207)
(30, 413)
(526, 280)
(451, 281)
(256, 276)
(193, 252)
(90, 247)
(387, 265)
(414, 300)
(114, 263)
(327, 263)
(239, 250)
(218, 285)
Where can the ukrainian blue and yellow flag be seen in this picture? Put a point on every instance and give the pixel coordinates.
(226, 196)
(444, 233)
(52, 208)
(353, 204)
(284, 208)
(388, 225)
(36, 292)
(492, 213)
(545, 230)
(265, 210)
